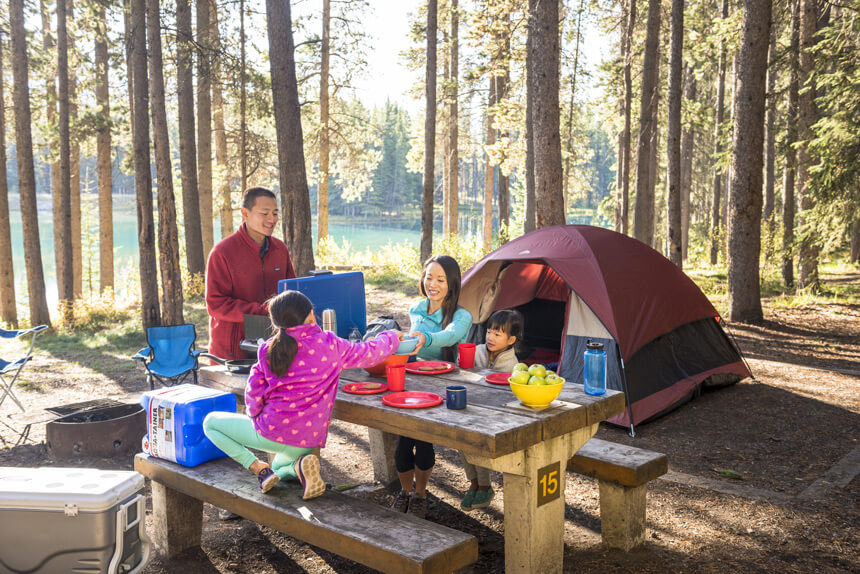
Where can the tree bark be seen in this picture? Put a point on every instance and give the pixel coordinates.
(204, 125)
(502, 84)
(74, 166)
(569, 157)
(545, 112)
(453, 159)
(149, 306)
(64, 222)
(322, 196)
(855, 243)
(806, 116)
(687, 148)
(674, 220)
(744, 245)
(770, 138)
(295, 201)
(168, 234)
(429, 136)
(627, 44)
(643, 217)
(225, 202)
(194, 257)
(718, 145)
(788, 182)
(8, 309)
(39, 314)
(243, 98)
(489, 169)
(103, 152)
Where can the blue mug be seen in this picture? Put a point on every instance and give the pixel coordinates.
(455, 397)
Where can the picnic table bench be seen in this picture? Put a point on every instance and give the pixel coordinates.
(350, 527)
(623, 474)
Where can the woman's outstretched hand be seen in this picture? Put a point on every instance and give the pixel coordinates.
(421, 340)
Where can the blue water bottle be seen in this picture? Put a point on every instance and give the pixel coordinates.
(595, 369)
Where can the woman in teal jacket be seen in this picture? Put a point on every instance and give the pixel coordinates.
(440, 325)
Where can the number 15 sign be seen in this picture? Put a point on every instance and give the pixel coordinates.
(549, 483)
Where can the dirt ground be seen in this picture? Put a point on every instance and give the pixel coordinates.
(788, 434)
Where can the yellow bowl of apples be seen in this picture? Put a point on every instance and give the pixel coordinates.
(534, 385)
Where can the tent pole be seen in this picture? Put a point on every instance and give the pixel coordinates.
(626, 392)
(736, 346)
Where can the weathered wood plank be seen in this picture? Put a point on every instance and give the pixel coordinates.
(625, 465)
(177, 520)
(353, 528)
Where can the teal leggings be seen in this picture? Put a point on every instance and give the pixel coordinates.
(232, 432)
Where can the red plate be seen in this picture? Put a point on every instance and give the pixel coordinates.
(498, 378)
(438, 367)
(412, 399)
(362, 388)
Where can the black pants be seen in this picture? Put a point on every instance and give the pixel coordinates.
(411, 453)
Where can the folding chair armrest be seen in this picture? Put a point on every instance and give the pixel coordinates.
(36, 329)
(196, 354)
(143, 355)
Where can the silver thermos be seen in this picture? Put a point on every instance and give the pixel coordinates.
(329, 320)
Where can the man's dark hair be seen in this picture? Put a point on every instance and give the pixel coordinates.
(249, 198)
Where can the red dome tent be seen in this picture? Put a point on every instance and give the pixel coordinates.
(576, 283)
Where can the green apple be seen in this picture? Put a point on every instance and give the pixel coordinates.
(537, 370)
(521, 367)
(520, 377)
(536, 380)
(550, 373)
(553, 379)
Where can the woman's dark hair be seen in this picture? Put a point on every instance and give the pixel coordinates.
(249, 198)
(508, 321)
(449, 303)
(286, 310)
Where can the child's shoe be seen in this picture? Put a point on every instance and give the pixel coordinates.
(401, 502)
(466, 503)
(418, 506)
(482, 498)
(308, 471)
(268, 479)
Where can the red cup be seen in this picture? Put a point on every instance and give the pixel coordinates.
(396, 375)
(466, 355)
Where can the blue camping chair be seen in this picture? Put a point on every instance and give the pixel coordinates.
(170, 356)
(8, 368)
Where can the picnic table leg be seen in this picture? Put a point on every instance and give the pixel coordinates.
(382, 446)
(177, 520)
(534, 481)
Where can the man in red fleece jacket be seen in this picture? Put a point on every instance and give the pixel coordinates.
(243, 273)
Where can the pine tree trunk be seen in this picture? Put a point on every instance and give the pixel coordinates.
(744, 245)
(322, 196)
(855, 242)
(8, 309)
(295, 201)
(129, 68)
(75, 166)
(545, 112)
(194, 257)
(569, 157)
(718, 146)
(429, 136)
(788, 201)
(770, 138)
(643, 217)
(628, 106)
(243, 98)
(453, 158)
(168, 234)
(149, 304)
(806, 116)
(204, 126)
(530, 215)
(39, 314)
(225, 202)
(442, 119)
(103, 152)
(64, 222)
(502, 84)
(674, 219)
(487, 213)
(687, 143)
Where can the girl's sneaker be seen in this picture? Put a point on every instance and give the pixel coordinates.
(468, 498)
(268, 479)
(308, 471)
(482, 498)
(401, 502)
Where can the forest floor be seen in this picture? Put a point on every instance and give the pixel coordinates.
(791, 435)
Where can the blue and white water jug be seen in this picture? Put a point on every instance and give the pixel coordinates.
(595, 369)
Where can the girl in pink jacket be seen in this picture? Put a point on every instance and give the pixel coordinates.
(290, 395)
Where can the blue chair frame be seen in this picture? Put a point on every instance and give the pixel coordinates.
(170, 357)
(8, 368)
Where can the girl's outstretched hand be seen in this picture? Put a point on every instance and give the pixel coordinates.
(421, 340)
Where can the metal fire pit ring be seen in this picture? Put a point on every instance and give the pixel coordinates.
(106, 432)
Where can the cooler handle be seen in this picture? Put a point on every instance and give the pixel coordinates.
(122, 526)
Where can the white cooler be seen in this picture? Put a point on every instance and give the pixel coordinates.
(72, 520)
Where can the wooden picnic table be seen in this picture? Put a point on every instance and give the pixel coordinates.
(530, 447)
